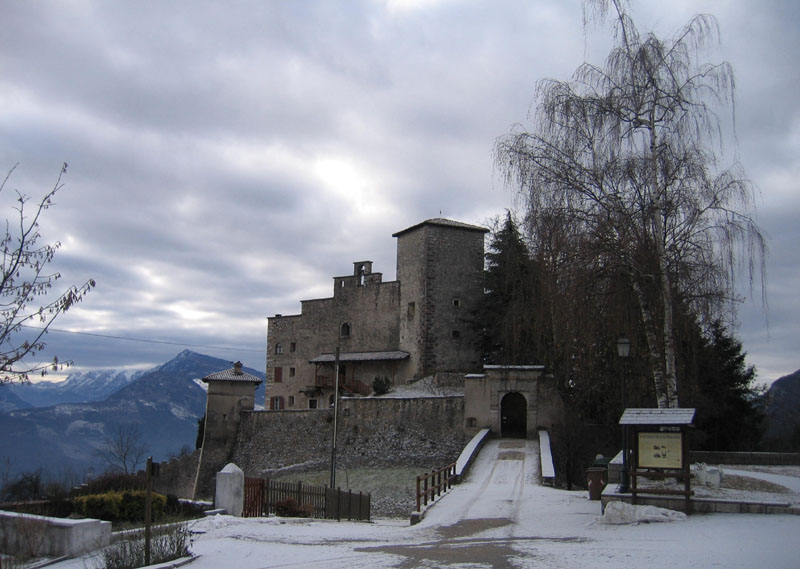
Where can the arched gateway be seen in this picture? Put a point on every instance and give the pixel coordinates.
(514, 415)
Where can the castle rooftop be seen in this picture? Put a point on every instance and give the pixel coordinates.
(442, 222)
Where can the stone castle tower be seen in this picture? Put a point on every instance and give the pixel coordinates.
(440, 269)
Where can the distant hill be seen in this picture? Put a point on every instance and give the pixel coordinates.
(164, 404)
(783, 414)
(9, 400)
(77, 388)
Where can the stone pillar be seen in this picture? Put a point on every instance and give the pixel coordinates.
(230, 490)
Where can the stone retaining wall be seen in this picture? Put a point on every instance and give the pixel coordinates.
(177, 475)
(371, 432)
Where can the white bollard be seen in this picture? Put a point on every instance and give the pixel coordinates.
(230, 490)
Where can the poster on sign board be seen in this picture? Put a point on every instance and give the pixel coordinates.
(660, 450)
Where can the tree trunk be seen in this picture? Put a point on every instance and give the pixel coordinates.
(662, 398)
(669, 397)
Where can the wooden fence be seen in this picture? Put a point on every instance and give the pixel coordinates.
(263, 497)
(435, 483)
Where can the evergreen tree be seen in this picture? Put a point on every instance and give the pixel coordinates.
(506, 314)
(729, 412)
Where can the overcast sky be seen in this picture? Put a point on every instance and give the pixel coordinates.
(226, 159)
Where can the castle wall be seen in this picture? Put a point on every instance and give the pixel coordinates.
(372, 431)
(427, 313)
(370, 310)
(484, 394)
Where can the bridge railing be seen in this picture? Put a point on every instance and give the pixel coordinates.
(435, 483)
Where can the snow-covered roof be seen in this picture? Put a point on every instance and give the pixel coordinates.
(234, 374)
(682, 416)
(360, 357)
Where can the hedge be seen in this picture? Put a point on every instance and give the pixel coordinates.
(127, 506)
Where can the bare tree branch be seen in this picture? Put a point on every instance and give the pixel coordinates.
(24, 282)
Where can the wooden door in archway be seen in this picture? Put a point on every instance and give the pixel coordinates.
(514, 416)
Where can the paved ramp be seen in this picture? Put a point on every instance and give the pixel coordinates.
(496, 487)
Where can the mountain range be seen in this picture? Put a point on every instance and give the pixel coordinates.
(77, 388)
(64, 440)
(783, 414)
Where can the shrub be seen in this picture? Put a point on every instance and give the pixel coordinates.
(113, 481)
(381, 385)
(126, 506)
(166, 543)
(288, 508)
(27, 486)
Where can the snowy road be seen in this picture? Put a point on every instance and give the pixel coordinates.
(499, 517)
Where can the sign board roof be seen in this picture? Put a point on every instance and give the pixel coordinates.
(657, 417)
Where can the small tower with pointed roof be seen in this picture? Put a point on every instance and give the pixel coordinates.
(230, 393)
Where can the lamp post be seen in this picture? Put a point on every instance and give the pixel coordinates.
(623, 351)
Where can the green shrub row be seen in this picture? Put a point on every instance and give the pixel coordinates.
(127, 506)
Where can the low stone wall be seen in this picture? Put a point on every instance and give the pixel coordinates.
(754, 458)
(51, 537)
(371, 432)
(699, 505)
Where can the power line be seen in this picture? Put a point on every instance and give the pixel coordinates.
(143, 340)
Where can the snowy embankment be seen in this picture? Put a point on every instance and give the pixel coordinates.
(498, 517)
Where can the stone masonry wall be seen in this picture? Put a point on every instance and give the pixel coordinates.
(177, 475)
(371, 432)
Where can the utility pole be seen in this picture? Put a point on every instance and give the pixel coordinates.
(335, 417)
(148, 509)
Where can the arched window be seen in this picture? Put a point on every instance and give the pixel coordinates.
(278, 348)
(344, 330)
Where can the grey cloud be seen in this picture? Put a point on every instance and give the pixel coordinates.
(197, 134)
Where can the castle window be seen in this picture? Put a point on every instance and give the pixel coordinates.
(278, 377)
(411, 309)
(278, 348)
(291, 372)
(292, 347)
(291, 401)
(276, 403)
(456, 302)
(312, 403)
(455, 334)
(344, 330)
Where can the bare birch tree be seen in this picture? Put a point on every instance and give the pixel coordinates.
(628, 155)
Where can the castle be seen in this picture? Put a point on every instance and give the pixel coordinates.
(420, 325)
(416, 326)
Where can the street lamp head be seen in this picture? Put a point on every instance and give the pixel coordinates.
(623, 347)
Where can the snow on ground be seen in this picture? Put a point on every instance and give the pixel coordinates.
(499, 517)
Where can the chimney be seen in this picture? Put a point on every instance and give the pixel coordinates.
(237, 368)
